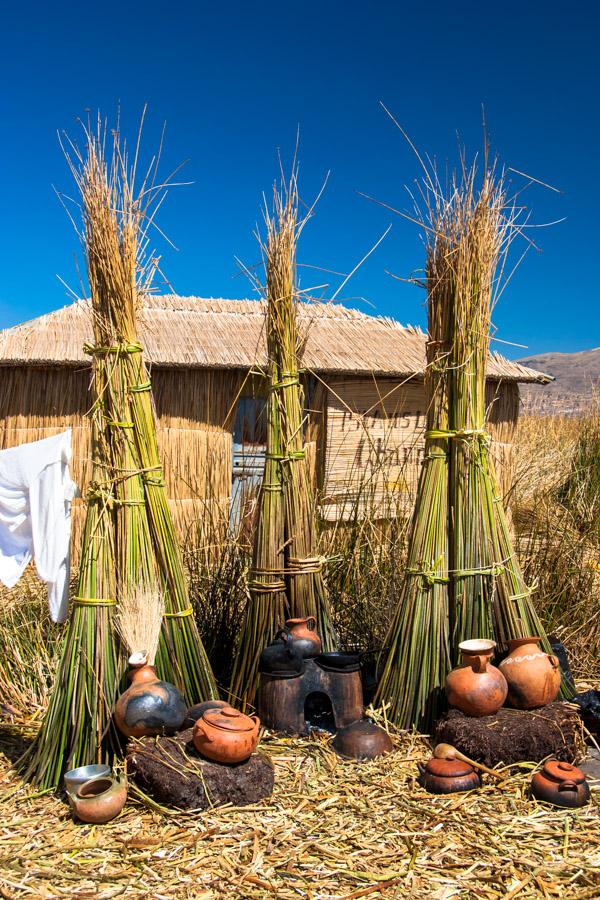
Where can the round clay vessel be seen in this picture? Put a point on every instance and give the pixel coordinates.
(561, 784)
(362, 740)
(533, 676)
(448, 776)
(476, 687)
(305, 636)
(99, 800)
(283, 658)
(226, 735)
(149, 706)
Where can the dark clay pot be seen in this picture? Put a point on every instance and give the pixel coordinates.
(561, 784)
(197, 711)
(448, 776)
(149, 706)
(362, 740)
(304, 633)
(283, 658)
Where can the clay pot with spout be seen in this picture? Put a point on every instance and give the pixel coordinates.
(305, 636)
(98, 800)
(533, 676)
(561, 784)
(226, 735)
(149, 706)
(476, 687)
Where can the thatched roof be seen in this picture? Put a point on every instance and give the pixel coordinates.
(229, 334)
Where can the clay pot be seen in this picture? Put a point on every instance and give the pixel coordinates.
(533, 676)
(283, 658)
(149, 706)
(99, 800)
(305, 636)
(476, 687)
(226, 735)
(362, 740)
(339, 662)
(561, 784)
(448, 776)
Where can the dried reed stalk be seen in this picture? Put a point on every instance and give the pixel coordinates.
(129, 534)
(286, 578)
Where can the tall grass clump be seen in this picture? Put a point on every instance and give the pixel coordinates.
(129, 536)
(286, 578)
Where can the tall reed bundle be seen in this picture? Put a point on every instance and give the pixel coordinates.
(129, 536)
(418, 659)
(286, 578)
(469, 230)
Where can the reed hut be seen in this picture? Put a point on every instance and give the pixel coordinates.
(363, 380)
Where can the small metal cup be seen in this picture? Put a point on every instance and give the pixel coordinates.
(76, 777)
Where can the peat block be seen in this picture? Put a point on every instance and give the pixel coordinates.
(172, 772)
(515, 735)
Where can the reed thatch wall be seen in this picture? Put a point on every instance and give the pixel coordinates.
(364, 435)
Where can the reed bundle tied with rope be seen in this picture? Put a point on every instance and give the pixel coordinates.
(468, 584)
(129, 536)
(286, 578)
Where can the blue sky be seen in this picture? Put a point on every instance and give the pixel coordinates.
(234, 80)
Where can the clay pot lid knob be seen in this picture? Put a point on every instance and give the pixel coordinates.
(563, 771)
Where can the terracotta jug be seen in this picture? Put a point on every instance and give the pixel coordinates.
(149, 706)
(304, 634)
(476, 687)
(561, 784)
(226, 735)
(533, 676)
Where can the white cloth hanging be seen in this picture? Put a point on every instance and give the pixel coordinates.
(35, 516)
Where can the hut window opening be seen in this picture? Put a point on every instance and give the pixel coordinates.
(249, 448)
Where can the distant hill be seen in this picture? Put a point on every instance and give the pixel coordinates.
(576, 376)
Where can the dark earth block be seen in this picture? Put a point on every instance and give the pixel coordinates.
(515, 735)
(172, 772)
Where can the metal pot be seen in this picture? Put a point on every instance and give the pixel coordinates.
(448, 776)
(561, 784)
(283, 658)
(338, 662)
(76, 777)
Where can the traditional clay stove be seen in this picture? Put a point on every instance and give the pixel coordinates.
(326, 694)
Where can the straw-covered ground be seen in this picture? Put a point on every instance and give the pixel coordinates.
(332, 829)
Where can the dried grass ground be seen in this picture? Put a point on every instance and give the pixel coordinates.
(332, 830)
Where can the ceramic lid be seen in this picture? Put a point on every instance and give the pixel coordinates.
(448, 768)
(229, 719)
(563, 771)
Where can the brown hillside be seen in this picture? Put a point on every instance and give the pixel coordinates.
(576, 375)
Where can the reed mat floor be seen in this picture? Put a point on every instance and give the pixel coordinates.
(333, 830)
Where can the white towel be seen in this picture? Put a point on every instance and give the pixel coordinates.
(35, 516)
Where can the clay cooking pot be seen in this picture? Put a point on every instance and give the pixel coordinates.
(533, 676)
(149, 706)
(99, 800)
(283, 658)
(561, 784)
(362, 740)
(305, 636)
(448, 776)
(226, 735)
(476, 687)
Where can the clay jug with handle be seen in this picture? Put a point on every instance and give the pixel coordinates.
(305, 636)
(533, 676)
(476, 687)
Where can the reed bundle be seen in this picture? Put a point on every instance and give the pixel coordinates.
(129, 536)
(286, 578)
(463, 578)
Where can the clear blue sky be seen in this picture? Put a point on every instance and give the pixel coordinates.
(233, 81)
